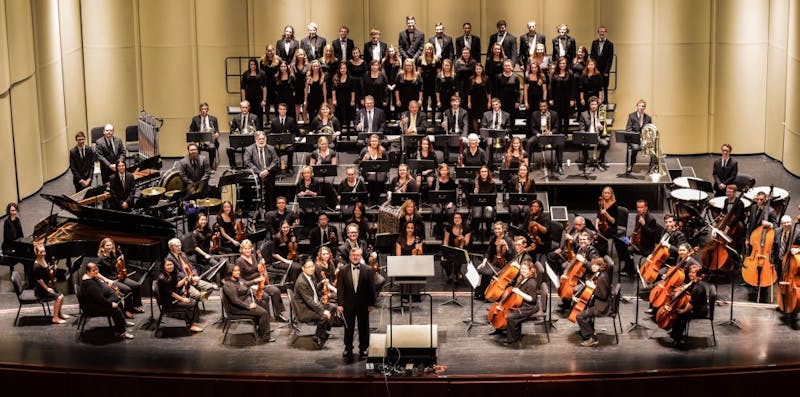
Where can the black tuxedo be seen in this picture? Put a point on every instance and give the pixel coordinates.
(447, 46)
(308, 305)
(462, 121)
(307, 46)
(212, 147)
(527, 45)
(337, 49)
(603, 59)
(316, 238)
(410, 48)
(121, 192)
(356, 301)
(633, 125)
(474, 47)
(108, 154)
(96, 297)
(280, 50)
(378, 120)
(289, 126)
(368, 50)
(569, 49)
(726, 175)
(509, 46)
(487, 121)
(81, 167)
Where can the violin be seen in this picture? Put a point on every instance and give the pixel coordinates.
(372, 261)
(51, 272)
(416, 251)
(498, 311)
(758, 270)
(654, 261)
(325, 299)
(533, 232)
(499, 282)
(187, 268)
(216, 241)
(293, 255)
(262, 272)
(585, 296)
(666, 315)
(636, 237)
(122, 273)
(602, 219)
(240, 230)
(672, 279)
(789, 284)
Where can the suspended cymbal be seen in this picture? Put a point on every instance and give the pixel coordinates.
(208, 202)
(171, 193)
(153, 191)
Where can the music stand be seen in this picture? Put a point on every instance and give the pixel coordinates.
(151, 320)
(351, 198)
(421, 165)
(521, 198)
(635, 324)
(325, 170)
(467, 172)
(585, 139)
(238, 141)
(452, 141)
(409, 270)
(486, 133)
(553, 279)
(235, 178)
(457, 257)
(410, 143)
(482, 199)
(198, 137)
(555, 141)
(630, 138)
(506, 174)
(474, 280)
(313, 203)
(442, 196)
(374, 166)
(699, 184)
(400, 198)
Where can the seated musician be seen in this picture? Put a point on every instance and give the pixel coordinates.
(591, 123)
(370, 119)
(194, 168)
(442, 211)
(310, 309)
(107, 263)
(284, 124)
(472, 155)
(238, 294)
(697, 307)
(409, 214)
(243, 123)
(585, 254)
(538, 228)
(81, 163)
(684, 260)
(323, 234)
(198, 289)
(521, 183)
(202, 237)
(359, 218)
(500, 249)
(544, 122)
(262, 160)
(307, 187)
(484, 183)
(424, 178)
(515, 154)
(735, 204)
(350, 184)
(123, 188)
(782, 245)
(495, 118)
(376, 181)
(281, 251)
(458, 235)
(408, 243)
(174, 295)
(205, 122)
(12, 230)
(556, 257)
(403, 182)
(413, 121)
(325, 118)
(636, 121)
(97, 297)
(248, 263)
(325, 269)
(527, 287)
(760, 214)
(455, 120)
(352, 240)
(44, 289)
(324, 155)
(647, 230)
(598, 306)
(275, 217)
(673, 237)
(226, 224)
(608, 211)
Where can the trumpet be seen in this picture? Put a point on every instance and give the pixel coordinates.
(601, 115)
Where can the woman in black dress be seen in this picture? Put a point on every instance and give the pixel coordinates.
(391, 65)
(425, 152)
(202, 236)
(299, 68)
(307, 187)
(410, 214)
(445, 85)
(173, 296)
(521, 183)
(458, 235)
(507, 89)
(324, 155)
(344, 95)
(479, 99)
(428, 67)
(441, 211)
(464, 69)
(376, 181)
(107, 257)
(494, 61)
(356, 69)
(562, 93)
(284, 88)
(226, 221)
(351, 183)
(408, 243)
(579, 63)
(281, 251)
(408, 86)
(610, 210)
(44, 288)
(269, 65)
(359, 217)
(253, 87)
(375, 83)
(329, 64)
(316, 91)
(515, 154)
(591, 84)
(325, 118)
(484, 183)
(535, 88)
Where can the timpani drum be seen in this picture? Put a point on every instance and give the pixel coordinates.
(715, 205)
(688, 204)
(172, 181)
(683, 181)
(228, 192)
(780, 198)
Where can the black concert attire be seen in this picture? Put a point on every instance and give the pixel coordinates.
(484, 214)
(285, 93)
(674, 239)
(588, 123)
(309, 307)
(81, 164)
(201, 239)
(343, 92)
(363, 227)
(241, 124)
(562, 90)
(42, 273)
(259, 159)
(356, 294)
(472, 42)
(202, 289)
(270, 71)
(230, 230)
(122, 189)
(97, 298)
(535, 126)
(488, 271)
(493, 68)
(281, 248)
(253, 92)
(442, 211)
(195, 171)
(12, 230)
(317, 124)
(108, 151)
(376, 87)
(345, 187)
(602, 52)
(428, 72)
(634, 124)
(556, 261)
(597, 307)
(356, 73)
(419, 226)
(725, 172)
(249, 272)
(527, 46)
(649, 233)
(547, 243)
(408, 90)
(285, 125)
(445, 89)
(237, 292)
(300, 75)
(535, 93)
(324, 184)
(167, 285)
(328, 236)
(517, 316)
(392, 71)
(463, 71)
(376, 181)
(781, 246)
(347, 245)
(508, 42)
(478, 98)
(307, 216)
(699, 302)
(130, 288)
(208, 123)
(520, 212)
(315, 94)
(564, 46)
(603, 245)
(507, 90)
(589, 86)
(451, 242)
(470, 159)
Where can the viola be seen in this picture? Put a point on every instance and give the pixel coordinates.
(672, 279)
(187, 268)
(216, 241)
(51, 272)
(758, 270)
(666, 314)
(584, 298)
(602, 219)
(416, 251)
(325, 291)
(498, 311)
(240, 230)
(122, 273)
(636, 237)
(373, 261)
(654, 261)
(262, 272)
(499, 282)
(789, 284)
(568, 253)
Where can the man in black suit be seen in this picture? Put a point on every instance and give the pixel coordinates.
(442, 43)
(544, 121)
(563, 45)
(591, 123)
(370, 119)
(97, 297)
(506, 40)
(108, 149)
(636, 121)
(455, 119)
(470, 41)
(308, 305)
(760, 214)
(527, 44)
(649, 232)
(122, 187)
(275, 217)
(287, 45)
(356, 299)
(725, 170)
(413, 121)
(602, 52)
(353, 240)
(263, 161)
(81, 163)
(284, 124)
(243, 123)
(195, 169)
(313, 44)
(374, 49)
(205, 122)
(343, 46)
(599, 305)
(324, 233)
(410, 41)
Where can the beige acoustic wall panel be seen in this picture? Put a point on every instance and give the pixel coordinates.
(25, 124)
(791, 143)
(168, 68)
(775, 109)
(8, 180)
(5, 78)
(18, 25)
(516, 13)
(578, 15)
(390, 18)
(271, 16)
(72, 64)
(739, 67)
(680, 75)
(218, 37)
(452, 14)
(110, 62)
(49, 75)
(329, 15)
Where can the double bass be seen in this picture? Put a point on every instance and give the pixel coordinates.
(758, 269)
(715, 253)
(789, 284)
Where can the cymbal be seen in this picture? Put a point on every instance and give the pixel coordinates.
(208, 202)
(153, 191)
(171, 193)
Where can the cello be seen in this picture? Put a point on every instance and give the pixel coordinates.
(789, 284)
(588, 291)
(654, 261)
(758, 270)
(497, 287)
(715, 253)
(498, 312)
(570, 279)
(666, 315)
(672, 279)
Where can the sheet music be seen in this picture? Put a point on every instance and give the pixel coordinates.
(472, 275)
(553, 276)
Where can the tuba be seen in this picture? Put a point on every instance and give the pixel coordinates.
(651, 144)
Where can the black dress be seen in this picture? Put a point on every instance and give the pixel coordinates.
(356, 72)
(463, 73)
(315, 97)
(478, 94)
(428, 75)
(285, 94)
(42, 273)
(269, 76)
(376, 86)
(167, 284)
(493, 68)
(535, 93)
(252, 86)
(409, 91)
(299, 81)
(343, 91)
(562, 90)
(591, 86)
(446, 88)
(507, 90)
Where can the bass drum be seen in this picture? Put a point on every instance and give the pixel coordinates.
(172, 181)
(228, 192)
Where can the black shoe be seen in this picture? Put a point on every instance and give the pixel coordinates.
(497, 332)
(561, 170)
(318, 343)
(362, 354)
(347, 354)
(629, 170)
(280, 317)
(795, 325)
(269, 340)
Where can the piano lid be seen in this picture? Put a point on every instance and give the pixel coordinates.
(113, 219)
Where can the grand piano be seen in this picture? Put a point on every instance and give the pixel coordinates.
(142, 237)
